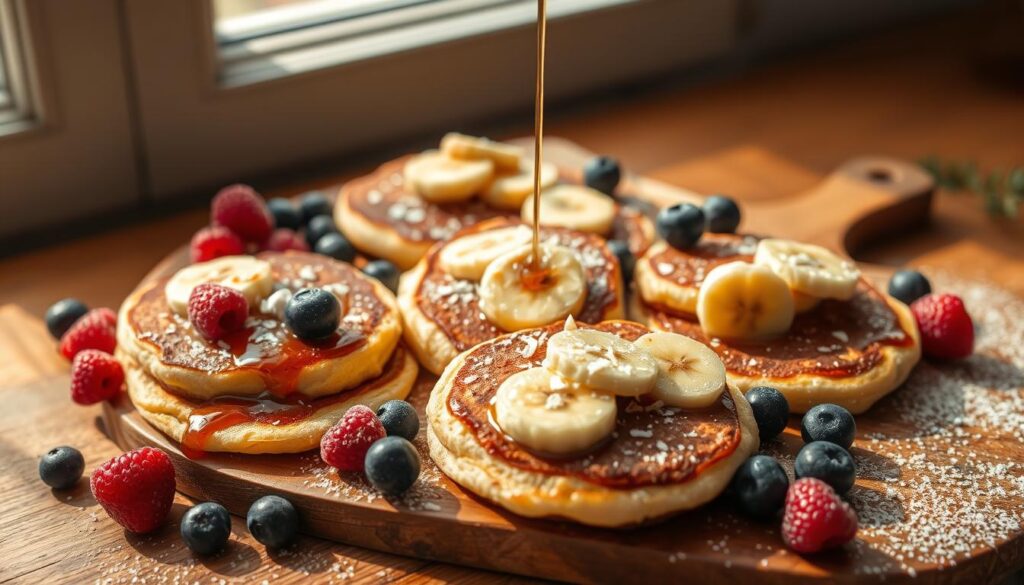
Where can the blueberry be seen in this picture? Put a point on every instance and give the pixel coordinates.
(771, 411)
(681, 225)
(828, 462)
(721, 214)
(314, 204)
(318, 227)
(335, 246)
(285, 214)
(273, 521)
(61, 467)
(62, 315)
(205, 528)
(760, 485)
(602, 173)
(909, 285)
(312, 313)
(829, 422)
(399, 419)
(383, 271)
(627, 262)
(392, 465)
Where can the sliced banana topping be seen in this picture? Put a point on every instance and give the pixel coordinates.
(803, 303)
(562, 422)
(602, 361)
(439, 178)
(809, 269)
(509, 191)
(513, 297)
(744, 301)
(575, 207)
(690, 374)
(504, 156)
(248, 275)
(469, 256)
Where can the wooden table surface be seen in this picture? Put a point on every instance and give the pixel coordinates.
(770, 134)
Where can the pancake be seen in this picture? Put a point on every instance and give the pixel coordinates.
(384, 219)
(263, 424)
(442, 315)
(659, 461)
(265, 356)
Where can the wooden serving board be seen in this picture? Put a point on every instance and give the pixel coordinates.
(909, 458)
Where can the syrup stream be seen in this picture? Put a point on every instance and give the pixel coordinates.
(538, 129)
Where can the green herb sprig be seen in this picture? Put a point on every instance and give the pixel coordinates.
(1002, 192)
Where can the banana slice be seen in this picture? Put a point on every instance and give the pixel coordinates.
(690, 374)
(469, 256)
(809, 269)
(504, 156)
(248, 275)
(600, 360)
(439, 178)
(803, 303)
(514, 298)
(559, 422)
(509, 191)
(744, 301)
(575, 207)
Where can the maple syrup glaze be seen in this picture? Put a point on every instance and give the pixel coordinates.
(689, 267)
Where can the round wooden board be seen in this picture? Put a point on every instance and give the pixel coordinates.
(939, 491)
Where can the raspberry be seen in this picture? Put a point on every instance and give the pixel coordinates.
(95, 376)
(285, 239)
(214, 242)
(345, 444)
(94, 330)
(946, 329)
(216, 310)
(241, 209)
(816, 518)
(136, 488)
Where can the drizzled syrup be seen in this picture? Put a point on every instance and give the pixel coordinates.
(538, 134)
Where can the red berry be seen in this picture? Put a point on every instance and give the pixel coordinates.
(214, 242)
(243, 211)
(136, 488)
(94, 330)
(285, 239)
(816, 518)
(216, 310)
(345, 444)
(95, 376)
(946, 329)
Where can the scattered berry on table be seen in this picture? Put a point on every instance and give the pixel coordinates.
(95, 376)
(285, 214)
(816, 518)
(286, 239)
(759, 486)
(95, 330)
(243, 211)
(384, 271)
(627, 262)
(314, 204)
(136, 488)
(602, 173)
(312, 314)
(392, 465)
(214, 242)
(216, 310)
(273, 521)
(399, 419)
(344, 445)
(205, 528)
(828, 462)
(829, 422)
(681, 225)
(61, 467)
(947, 332)
(318, 227)
(771, 411)
(722, 214)
(334, 245)
(62, 315)
(909, 285)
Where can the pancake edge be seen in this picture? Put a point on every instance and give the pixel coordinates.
(377, 240)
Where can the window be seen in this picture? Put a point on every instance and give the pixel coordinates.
(15, 100)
